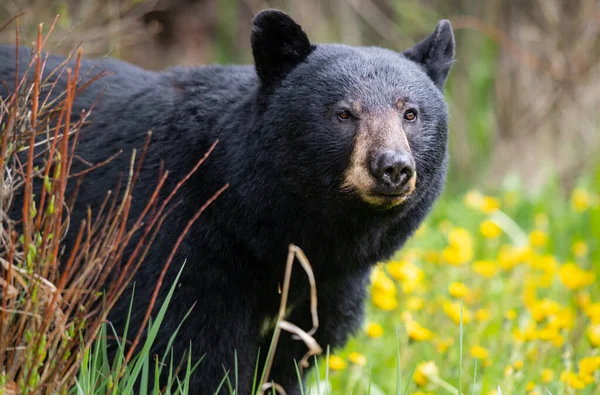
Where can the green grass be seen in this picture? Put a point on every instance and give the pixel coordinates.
(97, 374)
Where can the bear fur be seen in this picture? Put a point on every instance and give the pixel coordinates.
(286, 150)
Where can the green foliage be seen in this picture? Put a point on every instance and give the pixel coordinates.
(98, 375)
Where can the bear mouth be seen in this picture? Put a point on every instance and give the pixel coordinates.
(386, 200)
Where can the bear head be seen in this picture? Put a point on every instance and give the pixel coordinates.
(352, 124)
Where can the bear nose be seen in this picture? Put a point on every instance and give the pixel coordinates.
(392, 169)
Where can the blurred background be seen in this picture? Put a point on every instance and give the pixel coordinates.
(524, 93)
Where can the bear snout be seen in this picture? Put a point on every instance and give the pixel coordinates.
(392, 171)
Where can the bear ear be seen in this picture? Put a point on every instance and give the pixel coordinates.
(435, 53)
(278, 45)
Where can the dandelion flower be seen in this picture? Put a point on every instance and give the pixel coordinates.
(489, 229)
(572, 380)
(574, 277)
(483, 315)
(592, 310)
(538, 238)
(415, 303)
(452, 310)
(442, 345)
(336, 363)
(357, 359)
(381, 282)
(489, 204)
(458, 290)
(510, 315)
(384, 301)
(593, 334)
(579, 248)
(409, 274)
(424, 371)
(479, 352)
(417, 332)
(485, 268)
(547, 375)
(580, 200)
(518, 364)
(374, 330)
(460, 250)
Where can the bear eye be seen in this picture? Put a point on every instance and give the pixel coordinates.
(344, 115)
(410, 115)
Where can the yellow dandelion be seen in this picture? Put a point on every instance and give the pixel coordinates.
(424, 371)
(544, 308)
(592, 310)
(587, 366)
(518, 335)
(415, 303)
(530, 386)
(593, 335)
(489, 204)
(580, 200)
(374, 330)
(510, 315)
(406, 316)
(442, 345)
(458, 290)
(573, 277)
(572, 380)
(336, 363)
(583, 300)
(518, 364)
(483, 315)
(530, 332)
(422, 393)
(409, 274)
(579, 248)
(461, 248)
(381, 282)
(547, 375)
(510, 256)
(384, 301)
(508, 370)
(547, 333)
(489, 229)
(452, 310)
(546, 263)
(538, 238)
(357, 359)
(485, 268)
(479, 352)
(558, 341)
(564, 318)
(417, 332)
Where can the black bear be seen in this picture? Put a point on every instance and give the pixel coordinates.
(339, 150)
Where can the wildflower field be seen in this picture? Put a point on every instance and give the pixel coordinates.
(493, 295)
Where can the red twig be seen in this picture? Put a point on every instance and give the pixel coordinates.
(164, 272)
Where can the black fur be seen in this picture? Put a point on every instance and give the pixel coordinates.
(285, 160)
